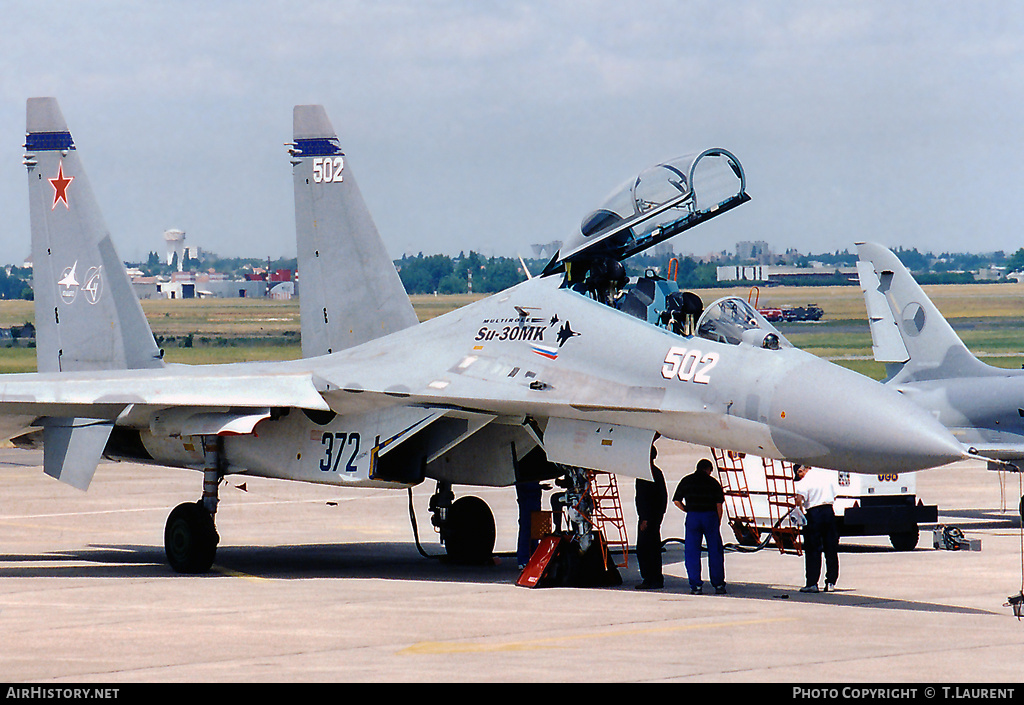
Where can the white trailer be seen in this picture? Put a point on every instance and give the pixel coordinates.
(882, 505)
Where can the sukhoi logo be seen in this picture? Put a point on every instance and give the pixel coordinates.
(92, 288)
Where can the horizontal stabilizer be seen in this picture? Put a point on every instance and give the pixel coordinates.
(72, 448)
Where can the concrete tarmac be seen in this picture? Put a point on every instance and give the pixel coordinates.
(316, 583)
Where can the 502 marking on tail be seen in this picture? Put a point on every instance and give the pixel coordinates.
(328, 170)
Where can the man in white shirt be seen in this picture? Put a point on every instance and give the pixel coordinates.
(815, 494)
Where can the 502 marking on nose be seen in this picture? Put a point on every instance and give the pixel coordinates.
(689, 365)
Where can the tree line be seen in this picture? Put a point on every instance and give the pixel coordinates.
(476, 273)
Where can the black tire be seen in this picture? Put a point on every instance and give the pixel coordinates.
(904, 540)
(468, 533)
(190, 539)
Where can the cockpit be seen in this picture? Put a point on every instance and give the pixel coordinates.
(661, 202)
(662, 303)
(732, 320)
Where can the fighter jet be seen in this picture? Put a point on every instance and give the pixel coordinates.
(578, 368)
(927, 362)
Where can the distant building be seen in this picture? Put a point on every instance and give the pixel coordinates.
(232, 289)
(664, 250)
(989, 274)
(283, 291)
(545, 250)
(189, 285)
(147, 287)
(758, 250)
(781, 274)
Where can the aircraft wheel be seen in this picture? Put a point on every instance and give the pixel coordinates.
(905, 540)
(468, 533)
(190, 538)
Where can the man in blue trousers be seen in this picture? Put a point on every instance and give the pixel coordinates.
(701, 497)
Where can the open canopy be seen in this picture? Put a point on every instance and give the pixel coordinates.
(659, 203)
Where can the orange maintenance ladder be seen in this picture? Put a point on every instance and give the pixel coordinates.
(781, 487)
(774, 482)
(738, 504)
(607, 512)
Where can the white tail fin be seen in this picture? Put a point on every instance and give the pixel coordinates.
(350, 292)
(907, 331)
(87, 316)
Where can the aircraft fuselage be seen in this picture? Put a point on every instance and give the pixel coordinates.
(460, 387)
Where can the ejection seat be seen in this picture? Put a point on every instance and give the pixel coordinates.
(734, 321)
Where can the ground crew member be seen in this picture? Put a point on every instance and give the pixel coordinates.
(815, 494)
(528, 496)
(701, 497)
(651, 502)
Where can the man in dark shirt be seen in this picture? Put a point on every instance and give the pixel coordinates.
(701, 497)
(651, 502)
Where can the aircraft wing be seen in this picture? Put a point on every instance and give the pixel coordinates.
(100, 394)
(76, 412)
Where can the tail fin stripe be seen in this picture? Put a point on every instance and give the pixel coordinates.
(49, 141)
(317, 147)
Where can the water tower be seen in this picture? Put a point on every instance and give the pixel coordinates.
(175, 240)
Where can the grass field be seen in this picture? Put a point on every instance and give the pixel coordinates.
(989, 318)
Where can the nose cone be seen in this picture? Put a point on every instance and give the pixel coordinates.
(827, 416)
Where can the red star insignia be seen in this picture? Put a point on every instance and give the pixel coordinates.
(60, 187)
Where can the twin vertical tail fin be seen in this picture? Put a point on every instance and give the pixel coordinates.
(907, 331)
(87, 316)
(350, 291)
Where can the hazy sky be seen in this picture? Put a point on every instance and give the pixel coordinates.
(494, 125)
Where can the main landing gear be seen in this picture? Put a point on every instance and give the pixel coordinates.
(466, 525)
(190, 536)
